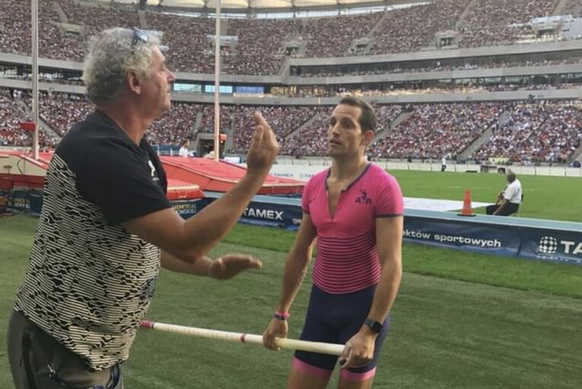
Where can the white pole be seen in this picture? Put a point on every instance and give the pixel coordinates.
(217, 83)
(293, 344)
(35, 103)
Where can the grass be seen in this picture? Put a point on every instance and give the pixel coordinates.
(544, 197)
(461, 320)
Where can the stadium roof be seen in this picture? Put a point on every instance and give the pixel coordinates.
(270, 4)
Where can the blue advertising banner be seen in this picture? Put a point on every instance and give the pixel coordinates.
(28, 201)
(187, 208)
(544, 240)
(552, 245)
(275, 215)
(268, 211)
(454, 234)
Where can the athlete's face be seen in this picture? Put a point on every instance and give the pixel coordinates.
(344, 134)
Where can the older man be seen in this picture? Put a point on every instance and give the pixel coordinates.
(106, 226)
(509, 200)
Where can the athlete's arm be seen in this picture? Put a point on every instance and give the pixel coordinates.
(295, 269)
(389, 243)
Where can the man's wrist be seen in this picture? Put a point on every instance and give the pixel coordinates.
(373, 326)
(367, 331)
(211, 263)
(282, 315)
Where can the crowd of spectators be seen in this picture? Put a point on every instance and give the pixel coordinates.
(437, 67)
(284, 120)
(11, 115)
(501, 22)
(522, 132)
(61, 110)
(467, 87)
(13, 112)
(207, 121)
(189, 41)
(434, 130)
(332, 37)
(54, 43)
(533, 133)
(174, 126)
(311, 140)
(96, 18)
(410, 29)
(258, 46)
(259, 50)
(572, 7)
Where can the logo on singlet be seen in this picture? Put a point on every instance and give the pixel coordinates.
(363, 198)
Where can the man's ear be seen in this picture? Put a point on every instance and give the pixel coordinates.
(133, 82)
(368, 138)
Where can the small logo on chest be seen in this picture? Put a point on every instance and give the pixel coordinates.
(363, 198)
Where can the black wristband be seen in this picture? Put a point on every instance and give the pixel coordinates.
(374, 325)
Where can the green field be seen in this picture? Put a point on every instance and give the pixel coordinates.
(461, 320)
(544, 197)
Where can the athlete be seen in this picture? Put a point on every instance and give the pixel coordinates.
(355, 210)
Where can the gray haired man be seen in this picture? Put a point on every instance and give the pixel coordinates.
(106, 226)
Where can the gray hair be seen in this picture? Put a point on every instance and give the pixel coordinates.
(111, 56)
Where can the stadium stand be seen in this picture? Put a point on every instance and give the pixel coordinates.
(410, 29)
(522, 132)
(258, 45)
(546, 132)
(11, 115)
(436, 130)
(534, 133)
(283, 120)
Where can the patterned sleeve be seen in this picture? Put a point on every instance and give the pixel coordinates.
(390, 201)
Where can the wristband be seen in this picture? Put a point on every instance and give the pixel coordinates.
(283, 316)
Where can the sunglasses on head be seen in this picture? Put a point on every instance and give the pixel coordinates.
(139, 36)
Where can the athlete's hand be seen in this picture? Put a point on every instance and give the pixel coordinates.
(276, 329)
(359, 350)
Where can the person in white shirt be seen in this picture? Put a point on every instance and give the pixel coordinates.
(443, 164)
(509, 200)
(183, 152)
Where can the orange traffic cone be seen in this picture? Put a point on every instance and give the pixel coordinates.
(467, 209)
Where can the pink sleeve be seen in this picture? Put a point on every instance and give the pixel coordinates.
(390, 201)
(305, 197)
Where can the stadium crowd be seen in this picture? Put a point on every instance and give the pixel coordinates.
(545, 132)
(258, 46)
(284, 120)
(11, 115)
(437, 67)
(434, 130)
(523, 132)
(13, 112)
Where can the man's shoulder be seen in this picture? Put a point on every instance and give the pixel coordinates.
(378, 174)
(516, 183)
(95, 131)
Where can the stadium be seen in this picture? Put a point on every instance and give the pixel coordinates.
(486, 86)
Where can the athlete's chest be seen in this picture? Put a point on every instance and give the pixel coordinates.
(340, 210)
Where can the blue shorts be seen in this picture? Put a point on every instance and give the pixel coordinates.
(335, 318)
